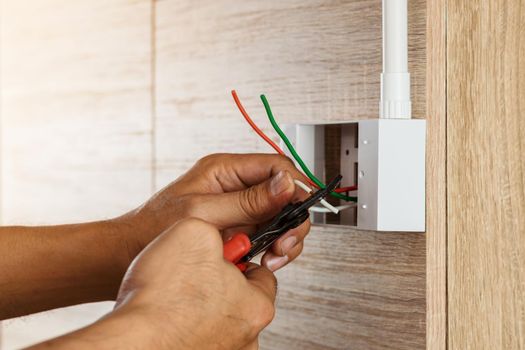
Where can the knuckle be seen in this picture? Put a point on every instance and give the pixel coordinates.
(265, 315)
(209, 159)
(284, 160)
(250, 203)
(288, 161)
(285, 163)
(189, 205)
(307, 226)
(193, 223)
(209, 236)
(278, 160)
(299, 248)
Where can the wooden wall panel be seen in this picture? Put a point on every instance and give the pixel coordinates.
(76, 122)
(316, 61)
(486, 174)
(352, 290)
(436, 175)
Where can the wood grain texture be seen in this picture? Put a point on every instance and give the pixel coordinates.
(436, 176)
(76, 123)
(316, 61)
(486, 174)
(352, 290)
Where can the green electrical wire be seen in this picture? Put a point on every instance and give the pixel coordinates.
(296, 156)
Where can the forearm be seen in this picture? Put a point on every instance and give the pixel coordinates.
(42, 268)
(127, 327)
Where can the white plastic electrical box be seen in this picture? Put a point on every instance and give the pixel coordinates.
(385, 158)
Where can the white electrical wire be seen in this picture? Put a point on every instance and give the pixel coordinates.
(303, 186)
(325, 210)
(328, 208)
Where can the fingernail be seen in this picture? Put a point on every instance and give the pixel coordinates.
(250, 267)
(275, 263)
(288, 244)
(279, 183)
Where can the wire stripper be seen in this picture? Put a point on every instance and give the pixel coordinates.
(241, 248)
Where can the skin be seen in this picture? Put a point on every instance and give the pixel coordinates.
(42, 268)
(181, 294)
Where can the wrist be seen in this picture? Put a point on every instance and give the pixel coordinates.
(120, 239)
(142, 225)
(128, 326)
(113, 252)
(146, 326)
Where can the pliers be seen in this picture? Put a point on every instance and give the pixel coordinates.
(241, 248)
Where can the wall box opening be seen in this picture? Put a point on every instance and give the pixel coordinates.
(385, 158)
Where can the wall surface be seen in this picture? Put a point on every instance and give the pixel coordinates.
(103, 102)
(76, 123)
(315, 61)
(436, 235)
(486, 174)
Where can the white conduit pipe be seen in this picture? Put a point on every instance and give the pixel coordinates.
(395, 79)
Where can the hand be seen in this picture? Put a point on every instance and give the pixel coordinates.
(232, 191)
(180, 293)
(192, 297)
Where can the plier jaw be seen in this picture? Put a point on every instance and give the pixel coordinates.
(240, 249)
(292, 216)
(281, 224)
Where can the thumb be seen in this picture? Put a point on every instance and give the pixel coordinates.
(251, 206)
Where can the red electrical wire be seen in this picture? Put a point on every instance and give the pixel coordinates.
(345, 189)
(273, 144)
(253, 125)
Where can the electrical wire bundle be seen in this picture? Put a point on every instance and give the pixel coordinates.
(340, 193)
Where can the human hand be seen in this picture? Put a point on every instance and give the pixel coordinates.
(180, 293)
(191, 298)
(235, 192)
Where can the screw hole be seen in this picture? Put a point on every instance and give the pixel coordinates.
(347, 152)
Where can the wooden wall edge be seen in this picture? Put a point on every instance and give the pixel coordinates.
(436, 319)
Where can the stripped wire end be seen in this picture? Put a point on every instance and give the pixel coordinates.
(327, 206)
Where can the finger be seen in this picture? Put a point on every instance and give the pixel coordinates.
(275, 262)
(263, 279)
(295, 252)
(250, 206)
(290, 239)
(252, 169)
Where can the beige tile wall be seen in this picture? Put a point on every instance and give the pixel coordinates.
(76, 124)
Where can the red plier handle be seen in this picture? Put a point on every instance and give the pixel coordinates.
(236, 248)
